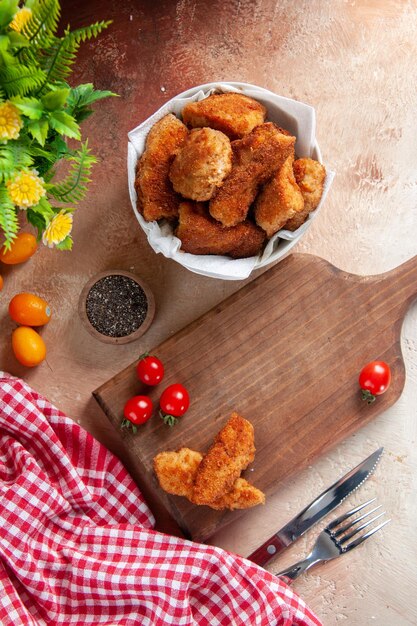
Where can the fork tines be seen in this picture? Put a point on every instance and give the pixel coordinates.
(341, 536)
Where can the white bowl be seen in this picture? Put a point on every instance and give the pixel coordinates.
(298, 118)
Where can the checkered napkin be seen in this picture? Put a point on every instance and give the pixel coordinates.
(77, 544)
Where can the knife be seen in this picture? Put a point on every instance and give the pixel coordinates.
(316, 510)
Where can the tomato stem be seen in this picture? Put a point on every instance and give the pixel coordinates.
(128, 425)
(143, 356)
(170, 420)
(367, 396)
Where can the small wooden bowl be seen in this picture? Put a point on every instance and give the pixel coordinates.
(106, 338)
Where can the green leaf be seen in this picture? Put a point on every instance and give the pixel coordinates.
(7, 58)
(43, 23)
(47, 154)
(44, 208)
(74, 187)
(17, 40)
(4, 43)
(13, 157)
(81, 97)
(37, 220)
(8, 218)
(8, 8)
(58, 57)
(84, 95)
(39, 130)
(58, 147)
(31, 107)
(66, 244)
(19, 79)
(64, 124)
(55, 100)
(81, 114)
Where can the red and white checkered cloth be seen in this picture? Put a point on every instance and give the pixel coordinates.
(77, 545)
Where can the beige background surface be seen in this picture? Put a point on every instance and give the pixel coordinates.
(354, 61)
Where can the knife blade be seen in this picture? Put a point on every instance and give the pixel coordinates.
(316, 510)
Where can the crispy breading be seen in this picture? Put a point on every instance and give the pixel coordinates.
(256, 158)
(234, 114)
(279, 200)
(249, 240)
(232, 451)
(156, 196)
(176, 472)
(310, 176)
(201, 164)
(201, 234)
(242, 496)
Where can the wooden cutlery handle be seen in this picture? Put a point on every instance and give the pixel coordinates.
(273, 546)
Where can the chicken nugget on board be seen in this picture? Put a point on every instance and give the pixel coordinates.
(232, 451)
(201, 234)
(232, 113)
(279, 200)
(176, 472)
(201, 164)
(156, 196)
(310, 176)
(243, 495)
(256, 158)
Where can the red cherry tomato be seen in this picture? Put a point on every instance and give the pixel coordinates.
(174, 403)
(137, 411)
(374, 379)
(150, 369)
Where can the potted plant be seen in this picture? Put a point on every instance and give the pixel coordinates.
(39, 112)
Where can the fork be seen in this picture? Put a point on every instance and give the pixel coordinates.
(334, 541)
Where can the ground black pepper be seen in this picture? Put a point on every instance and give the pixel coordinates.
(116, 306)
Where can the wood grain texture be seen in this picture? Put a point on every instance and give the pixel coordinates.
(285, 352)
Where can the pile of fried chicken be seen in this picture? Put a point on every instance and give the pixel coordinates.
(227, 179)
(213, 479)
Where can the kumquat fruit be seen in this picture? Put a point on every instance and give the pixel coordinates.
(29, 310)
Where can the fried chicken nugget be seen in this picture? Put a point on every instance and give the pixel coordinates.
(242, 496)
(201, 234)
(279, 200)
(156, 196)
(310, 176)
(176, 472)
(256, 158)
(232, 451)
(201, 164)
(234, 114)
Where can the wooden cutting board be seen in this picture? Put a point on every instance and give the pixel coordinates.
(285, 352)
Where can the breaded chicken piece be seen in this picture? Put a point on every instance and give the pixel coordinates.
(310, 176)
(201, 164)
(232, 451)
(242, 496)
(156, 196)
(234, 114)
(256, 158)
(201, 234)
(249, 240)
(279, 200)
(176, 472)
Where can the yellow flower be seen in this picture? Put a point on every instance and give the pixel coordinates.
(20, 19)
(26, 189)
(58, 229)
(10, 122)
